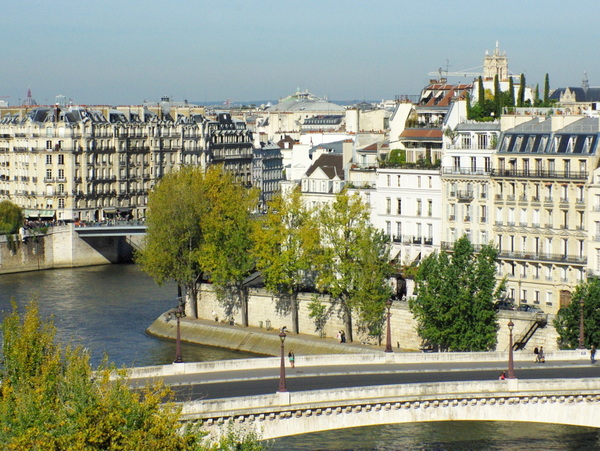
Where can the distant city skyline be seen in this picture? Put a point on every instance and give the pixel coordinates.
(120, 53)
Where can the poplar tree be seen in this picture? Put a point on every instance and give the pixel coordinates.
(454, 306)
(177, 207)
(480, 92)
(225, 252)
(498, 104)
(286, 246)
(511, 93)
(355, 266)
(567, 319)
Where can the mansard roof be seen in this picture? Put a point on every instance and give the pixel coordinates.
(536, 137)
(591, 94)
(305, 101)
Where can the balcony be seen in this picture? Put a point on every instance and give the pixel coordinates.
(542, 256)
(452, 170)
(465, 196)
(539, 174)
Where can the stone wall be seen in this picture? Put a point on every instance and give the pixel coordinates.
(62, 247)
(264, 309)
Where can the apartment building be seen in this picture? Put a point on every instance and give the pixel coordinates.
(545, 174)
(91, 164)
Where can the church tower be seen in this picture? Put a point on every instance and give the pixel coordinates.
(495, 64)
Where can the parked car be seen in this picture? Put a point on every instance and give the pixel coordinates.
(529, 308)
(504, 305)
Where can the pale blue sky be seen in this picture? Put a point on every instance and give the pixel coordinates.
(126, 51)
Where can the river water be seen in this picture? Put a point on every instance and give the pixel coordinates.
(108, 308)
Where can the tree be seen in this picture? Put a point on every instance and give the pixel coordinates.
(468, 100)
(355, 267)
(547, 90)
(286, 243)
(51, 399)
(510, 98)
(177, 207)
(225, 252)
(11, 217)
(455, 294)
(498, 97)
(480, 92)
(567, 318)
(521, 94)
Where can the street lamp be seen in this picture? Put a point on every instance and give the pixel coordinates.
(282, 388)
(511, 366)
(178, 312)
(581, 331)
(388, 340)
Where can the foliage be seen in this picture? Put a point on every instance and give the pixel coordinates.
(227, 237)
(567, 319)
(11, 217)
(176, 210)
(51, 399)
(546, 100)
(355, 268)
(286, 244)
(318, 313)
(455, 293)
(397, 157)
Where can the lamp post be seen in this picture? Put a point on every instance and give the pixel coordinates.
(511, 366)
(178, 312)
(581, 331)
(388, 338)
(282, 388)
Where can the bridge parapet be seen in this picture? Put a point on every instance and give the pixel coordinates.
(571, 402)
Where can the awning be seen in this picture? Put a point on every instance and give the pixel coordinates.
(109, 210)
(31, 213)
(47, 213)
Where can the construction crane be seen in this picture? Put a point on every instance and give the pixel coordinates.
(441, 73)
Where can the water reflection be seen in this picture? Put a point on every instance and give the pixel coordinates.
(107, 310)
(455, 435)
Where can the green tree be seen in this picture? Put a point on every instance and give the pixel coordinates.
(286, 244)
(51, 399)
(536, 95)
(510, 97)
(455, 294)
(547, 90)
(521, 94)
(498, 98)
(177, 207)
(480, 91)
(11, 217)
(225, 253)
(568, 317)
(355, 268)
(468, 100)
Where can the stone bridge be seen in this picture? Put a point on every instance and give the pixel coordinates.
(573, 402)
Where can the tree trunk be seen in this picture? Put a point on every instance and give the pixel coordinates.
(294, 307)
(348, 321)
(243, 295)
(191, 291)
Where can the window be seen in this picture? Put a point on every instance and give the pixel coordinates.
(48, 159)
(429, 207)
(61, 203)
(388, 205)
(61, 188)
(419, 212)
(48, 173)
(388, 180)
(61, 173)
(48, 145)
(399, 207)
(398, 181)
(61, 159)
(430, 182)
(418, 181)
(388, 228)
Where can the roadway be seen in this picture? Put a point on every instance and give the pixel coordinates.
(227, 384)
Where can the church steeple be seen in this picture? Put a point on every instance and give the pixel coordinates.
(495, 64)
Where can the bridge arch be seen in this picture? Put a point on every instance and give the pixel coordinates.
(573, 402)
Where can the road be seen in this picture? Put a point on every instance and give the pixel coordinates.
(264, 381)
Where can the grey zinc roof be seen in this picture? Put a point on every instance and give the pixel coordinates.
(479, 127)
(305, 102)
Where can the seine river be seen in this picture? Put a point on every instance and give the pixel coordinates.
(108, 308)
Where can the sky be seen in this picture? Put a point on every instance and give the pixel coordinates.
(120, 52)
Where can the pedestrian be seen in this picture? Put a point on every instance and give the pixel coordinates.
(215, 316)
(502, 376)
(593, 354)
(292, 358)
(536, 351)
(343, 337)
(540, 357)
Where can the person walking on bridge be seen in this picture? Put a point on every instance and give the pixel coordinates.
(292, 358)
(593, 354)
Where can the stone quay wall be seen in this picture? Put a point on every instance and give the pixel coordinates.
(61, 247)
(264, 312)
